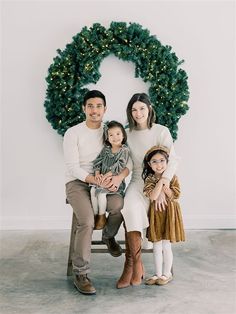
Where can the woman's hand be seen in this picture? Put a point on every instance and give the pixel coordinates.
(167, 191)
(165, 182)
(160, 203)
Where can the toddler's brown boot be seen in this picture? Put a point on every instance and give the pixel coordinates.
(100, 222)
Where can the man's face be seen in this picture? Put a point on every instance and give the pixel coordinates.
(94, 110)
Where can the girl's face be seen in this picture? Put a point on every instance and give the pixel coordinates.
(140, 113)
(158, 163)
(115, 136)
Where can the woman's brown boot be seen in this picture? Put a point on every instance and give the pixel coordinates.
(134, 240)
(126, 276)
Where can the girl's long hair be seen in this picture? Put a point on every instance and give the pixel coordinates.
(146, 167)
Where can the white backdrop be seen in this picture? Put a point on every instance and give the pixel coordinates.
(200, 32)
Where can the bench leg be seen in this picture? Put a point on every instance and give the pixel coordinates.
(71, 248)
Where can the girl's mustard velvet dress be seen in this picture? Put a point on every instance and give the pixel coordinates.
(166, 224)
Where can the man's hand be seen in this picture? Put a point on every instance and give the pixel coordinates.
(90, 179)
(107, 175)
(116, 180)
(112, 183)
(108, 184)
(98, 178)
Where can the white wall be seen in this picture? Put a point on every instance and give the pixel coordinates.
(32, 168)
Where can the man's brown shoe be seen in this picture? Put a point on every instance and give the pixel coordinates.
(113, 247)
(84, 285)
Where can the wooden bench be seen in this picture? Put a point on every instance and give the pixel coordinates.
(95, 246)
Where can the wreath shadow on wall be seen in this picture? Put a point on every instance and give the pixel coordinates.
(78, 65)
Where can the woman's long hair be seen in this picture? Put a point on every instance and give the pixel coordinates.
(151, 115)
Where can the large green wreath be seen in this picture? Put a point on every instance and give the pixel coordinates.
(78, 65)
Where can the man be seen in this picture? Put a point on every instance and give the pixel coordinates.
(82, 143)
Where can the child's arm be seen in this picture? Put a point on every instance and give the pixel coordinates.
(97, 163)
(152, 189)
(155, 193)
(99, 159)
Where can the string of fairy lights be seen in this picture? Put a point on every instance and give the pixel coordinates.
(78, 65)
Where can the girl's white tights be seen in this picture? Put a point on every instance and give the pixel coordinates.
(163, 258)
(99, 202)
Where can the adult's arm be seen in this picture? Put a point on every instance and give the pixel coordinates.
(172, 165)
(71, 156)
(173, 192)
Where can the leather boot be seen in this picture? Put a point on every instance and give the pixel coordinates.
(100, 222)
(84, 284)
(134, 240)
(126, 276)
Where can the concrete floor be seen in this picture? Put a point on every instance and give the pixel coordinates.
(33, 277)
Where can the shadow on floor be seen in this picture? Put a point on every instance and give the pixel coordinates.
(33, 277)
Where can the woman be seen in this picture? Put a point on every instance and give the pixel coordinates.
(142, 134)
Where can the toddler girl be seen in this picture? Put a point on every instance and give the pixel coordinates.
(111, 161)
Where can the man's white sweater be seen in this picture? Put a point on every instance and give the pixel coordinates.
(81, 146)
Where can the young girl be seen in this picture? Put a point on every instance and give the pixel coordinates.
(165, 226)
(111, 161)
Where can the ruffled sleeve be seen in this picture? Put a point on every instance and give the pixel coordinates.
(97, 163)
(175, 188)
(149, 185)
(121, 160)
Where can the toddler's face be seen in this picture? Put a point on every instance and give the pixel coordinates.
(158, 163)
(115, 136)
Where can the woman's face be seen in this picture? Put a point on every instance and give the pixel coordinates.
(140, 113)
